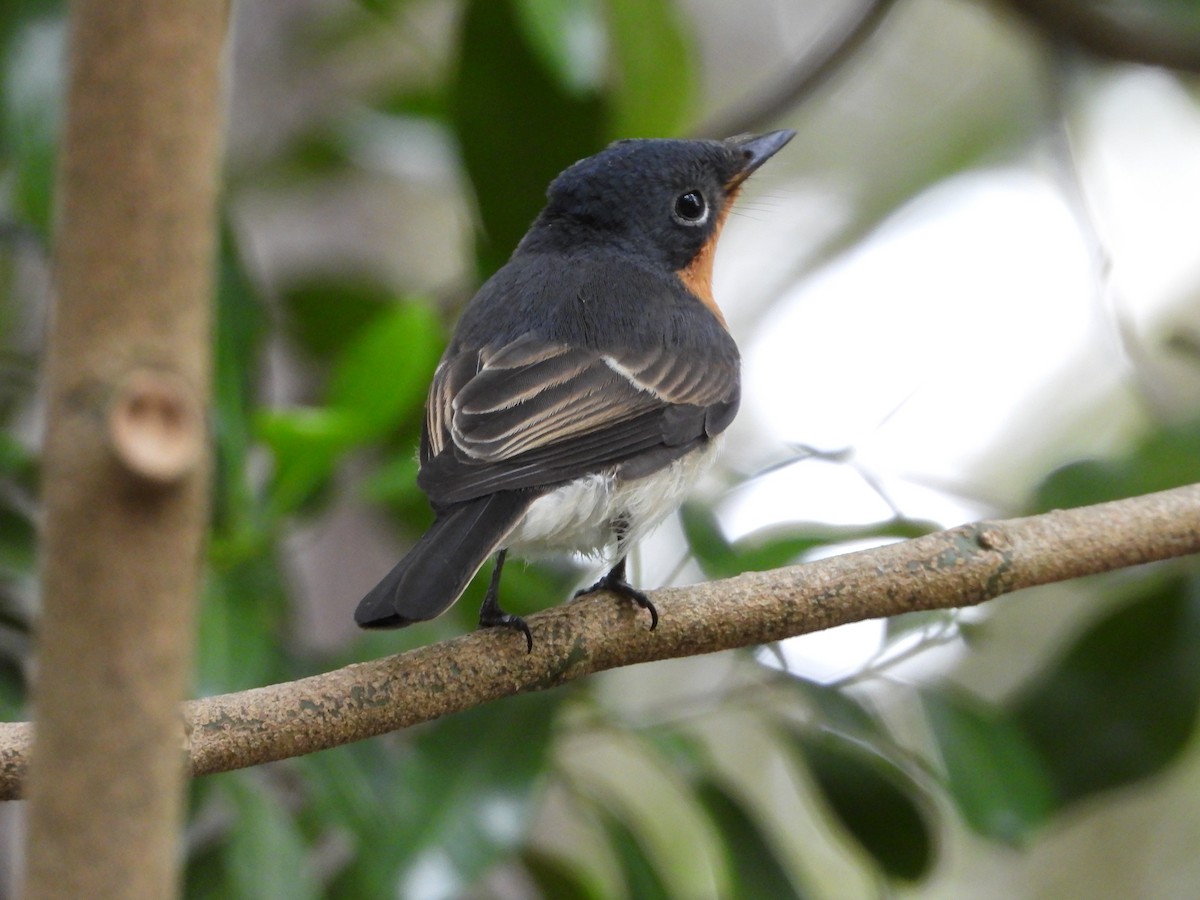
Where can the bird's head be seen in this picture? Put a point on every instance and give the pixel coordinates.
(662, 200)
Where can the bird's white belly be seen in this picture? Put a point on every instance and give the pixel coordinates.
(578, 517)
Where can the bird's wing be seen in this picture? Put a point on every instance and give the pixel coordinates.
(532, 413)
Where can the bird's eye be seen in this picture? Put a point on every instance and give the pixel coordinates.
(690, 208)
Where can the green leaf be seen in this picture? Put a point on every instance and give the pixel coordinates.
(432, 820)
(241, 330)
(409, 101)
(1079, 484)
(683, 752)
(33, 188)
(17, 544)
(205, 877)
(14, 693)
(378, 384)
(1145, 20)
(266, 852)
(240, 627)
(776, 546)
(385, 8)
(707, 541)
(395, 482)
(17, 462)
(382, 376)
(524, 590)
(351, 789)
(472, 781)
(18, 369)
(1167, 457)
(557, 878)
(32, 94)
(16, 16)
(429, 822)
(781, 546)
(307, 445)
(569, 39)
(837, 711)
(1122, 701)
(641, 876)
(875, 800)
(318, 155)
(994, 775)
(756, 868)
(517, 126)
(655, 89)
(324, 314)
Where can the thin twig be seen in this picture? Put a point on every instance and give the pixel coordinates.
(809, 73)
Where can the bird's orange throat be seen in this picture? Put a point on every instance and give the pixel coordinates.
(697, 274)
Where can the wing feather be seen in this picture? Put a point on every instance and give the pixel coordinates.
(530, 413)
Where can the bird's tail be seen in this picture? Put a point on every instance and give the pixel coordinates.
(438, 568)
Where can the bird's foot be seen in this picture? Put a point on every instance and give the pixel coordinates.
(492, 616)
(495, 617)
(616, 583)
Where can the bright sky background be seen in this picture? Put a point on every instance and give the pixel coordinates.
(939, 347)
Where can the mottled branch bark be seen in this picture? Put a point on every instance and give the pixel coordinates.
(126, 461)
(960, 567)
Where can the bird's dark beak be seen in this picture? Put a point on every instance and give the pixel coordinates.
(756, 150)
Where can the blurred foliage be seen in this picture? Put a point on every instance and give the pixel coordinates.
(875, 800)
(1129, 686)
(996, 777)
(1165, 458)
(721, 558)
(530, 86)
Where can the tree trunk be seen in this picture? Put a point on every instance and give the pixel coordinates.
(126, 467)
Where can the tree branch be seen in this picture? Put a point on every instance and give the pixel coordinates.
(1077, 22)
(960, 567)
(1093, 28)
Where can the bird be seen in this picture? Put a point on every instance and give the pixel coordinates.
(587, 384)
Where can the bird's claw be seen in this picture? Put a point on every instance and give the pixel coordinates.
(507, 620)
(616, 584)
